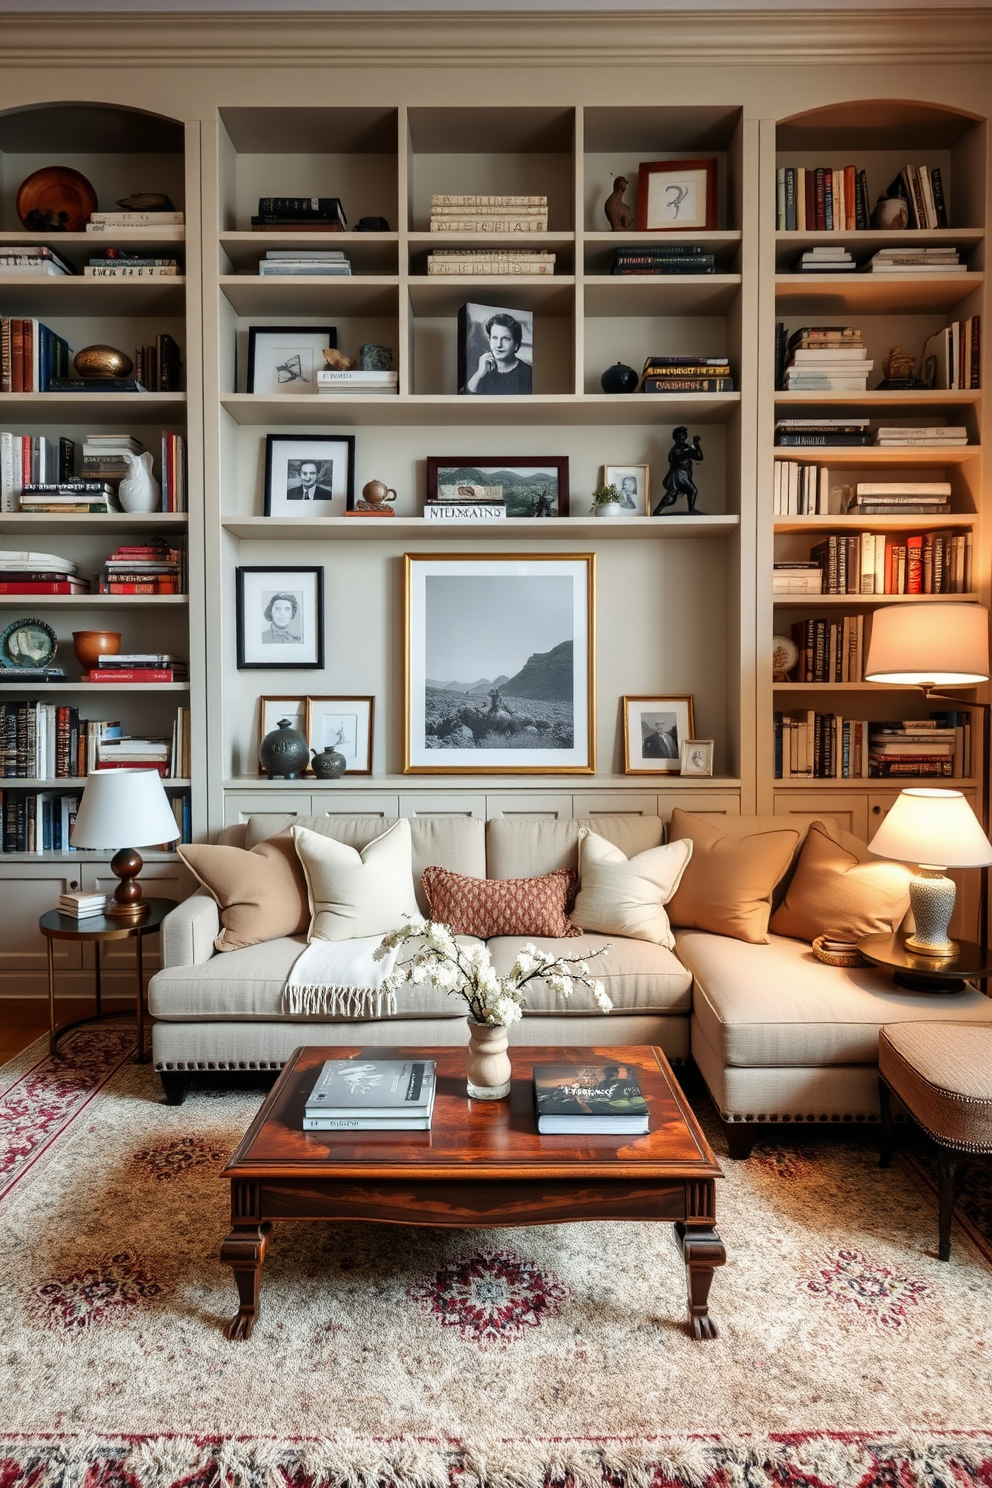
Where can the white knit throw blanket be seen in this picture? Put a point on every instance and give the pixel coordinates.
(339, 979)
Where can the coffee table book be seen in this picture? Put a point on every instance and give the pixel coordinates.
(601, 1098)
(372, 1095)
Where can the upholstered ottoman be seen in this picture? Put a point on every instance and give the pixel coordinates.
(942, 1073)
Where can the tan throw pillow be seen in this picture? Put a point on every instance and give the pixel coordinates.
(501, 906)
(261, 894)
(728, 883)
(626, 896)
(836, 892)
(353, 894)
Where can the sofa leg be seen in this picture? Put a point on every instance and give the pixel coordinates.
(175, 1084)
(741, 1137)
(888, 1134)
(948, 1162)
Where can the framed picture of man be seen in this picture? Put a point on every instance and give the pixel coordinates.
(309, 475)
(286, 359)
(653, 731)
(495, 351)
(280, 617)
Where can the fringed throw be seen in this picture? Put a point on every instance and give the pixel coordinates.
(339, 979)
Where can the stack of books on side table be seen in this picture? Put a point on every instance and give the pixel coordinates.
(489, 214)
(82, 905)
(604, 1099)
(372, 1095)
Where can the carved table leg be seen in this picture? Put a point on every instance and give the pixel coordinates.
(244, 1251)
(703, 1251)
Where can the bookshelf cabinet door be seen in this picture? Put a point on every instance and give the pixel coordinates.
(24, 900)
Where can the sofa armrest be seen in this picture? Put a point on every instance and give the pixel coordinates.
(188, 931)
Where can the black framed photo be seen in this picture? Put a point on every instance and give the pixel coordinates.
(531, 485)
(309, 475)
(286, 359)
(495, 351)
(280, 618)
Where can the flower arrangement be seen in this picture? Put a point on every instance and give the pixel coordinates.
(466, 971)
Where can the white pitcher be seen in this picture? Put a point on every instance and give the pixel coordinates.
(139, 490)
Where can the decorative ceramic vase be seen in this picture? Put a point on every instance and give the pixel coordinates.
(283, 753)
(90, 645)
(891, 214)
(488, 1062)
(328, 764)
(609, 509)
(102, 361)
(619, 379)
(139, 491)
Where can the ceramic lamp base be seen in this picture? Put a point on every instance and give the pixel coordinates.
(931, 897)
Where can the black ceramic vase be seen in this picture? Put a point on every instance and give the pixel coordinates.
(619, 379)
(328, 764)
(283, 753)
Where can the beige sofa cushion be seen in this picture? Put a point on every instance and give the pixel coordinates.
(626, 896)
(528, 849)
(639, 977)
(776, 1005)
(261, 894)
(356, 894)
(841, 891)
(727, 885)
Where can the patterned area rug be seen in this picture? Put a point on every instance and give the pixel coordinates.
(848, 1354)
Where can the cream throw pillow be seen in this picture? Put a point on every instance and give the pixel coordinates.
(625, 896)
(357, 893)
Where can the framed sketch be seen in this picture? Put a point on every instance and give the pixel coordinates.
(653, 730)
(531, 485)
(272, 709)
(676, 195)
(495, 351)
(634, 484)
(344, 724)
(697, 756)
(309, 475)
(280, 617)
(286, 359)
(498, 675)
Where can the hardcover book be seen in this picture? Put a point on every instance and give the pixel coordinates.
(372, 1090)
(596, 1098)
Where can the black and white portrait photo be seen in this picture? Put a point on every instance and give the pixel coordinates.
(309, 475)
(499, 667)
(495, 351)
(632, 481)
(280, 617)
(286, 359)
(654, 730)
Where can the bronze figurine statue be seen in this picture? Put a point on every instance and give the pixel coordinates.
(618, 214)
(679, 482)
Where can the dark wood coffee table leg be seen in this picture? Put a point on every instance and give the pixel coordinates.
(703, 1251)
(244, 1251)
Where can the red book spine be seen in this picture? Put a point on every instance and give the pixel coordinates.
(29, 588)
(142, 586)
(159, 768)
(17, 356)
(136, 674)
(29, 386)
(914, 565)
(821, 199)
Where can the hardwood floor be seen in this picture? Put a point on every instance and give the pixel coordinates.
(23, 1019)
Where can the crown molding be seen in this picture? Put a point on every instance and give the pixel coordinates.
(439, 39)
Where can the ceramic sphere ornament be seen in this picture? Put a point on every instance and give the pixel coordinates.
(328, 764)
(283, 753)
(619, 379)
(102, 361)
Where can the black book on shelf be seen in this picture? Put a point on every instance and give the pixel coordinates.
(95, 385)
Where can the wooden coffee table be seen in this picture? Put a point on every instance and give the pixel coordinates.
(483, 1164)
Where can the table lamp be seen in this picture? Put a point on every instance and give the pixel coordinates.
(119, 806)
(936, 829)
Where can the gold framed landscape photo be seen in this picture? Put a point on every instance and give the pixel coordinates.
(653, 731)
(499, 658)
(344, 724)
(634, 484)
(676, 195)
(697, 756)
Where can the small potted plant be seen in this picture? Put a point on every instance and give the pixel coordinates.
(606, 502)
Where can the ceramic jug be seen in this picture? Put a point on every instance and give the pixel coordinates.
(139, 490)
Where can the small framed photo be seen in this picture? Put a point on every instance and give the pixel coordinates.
(697, 756)
(286, 359)
(309, 475)
(653, 731)
(531, 485)
(495, 351)
(676, 195)
(634, 484)
(345, 725)
(280, 617)
(272, 709)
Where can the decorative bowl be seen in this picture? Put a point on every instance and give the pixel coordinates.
(103, 361)
(90, 645)
(55, 199)
(849, 958)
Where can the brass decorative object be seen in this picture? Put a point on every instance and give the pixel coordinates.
(103, 361)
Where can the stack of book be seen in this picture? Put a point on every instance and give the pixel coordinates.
(139, 666)
(828, 260)
(686, 374)
(489, 214)
(82, 905)
(299, 214)
(134, 754)
(468, 500)
(372, 1095)
(26, 259)
(916, 261)
(166, 224)
(332, 381)
(663, 258)
(952, 356)
(922, 188)
(31, 457)
(943, 436)
(823, 432)
(916, 746)
(797, 578)
(103, 456)
(328, 262)
(37, 821)
(826, 359)
(33, 359)
(604, 1099)
(900, 498)
(830, 649)
(159, 368)
(39, 573)
(882, 563)
(487, 262)
(800, 490)
(67, 497)
(823, 746)
(822, 198)
(49, 741)
(117, 264)
(152, 567)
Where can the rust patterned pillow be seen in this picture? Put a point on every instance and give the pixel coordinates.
(502, 906)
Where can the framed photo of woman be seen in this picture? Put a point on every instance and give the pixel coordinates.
(280, 618)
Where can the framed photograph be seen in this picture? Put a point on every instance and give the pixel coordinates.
(280, 617)
(309, 475)
(286, 359)
(531, 485)
(500, 652)
(344, 724)
(272, 709)
(653, 731)
(634, 484)
(697, 756)
(495, 351)
(676, 195)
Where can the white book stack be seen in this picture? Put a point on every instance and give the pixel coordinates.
(82, 905)
(326, 262)
(23, 258)
(372, 1095)
(489, 214)
(357, 382)
(916, 261)
(829, 369)
(895, 436)
(826, 260)
(488, 262)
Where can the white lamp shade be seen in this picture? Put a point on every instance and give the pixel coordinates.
(124, 808)
(947, 644)
(933, 827)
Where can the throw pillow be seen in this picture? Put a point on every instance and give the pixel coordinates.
(353, 894)
(501, 906)
(836, 892)
(626, 896)
(261, 893)
(727, 885)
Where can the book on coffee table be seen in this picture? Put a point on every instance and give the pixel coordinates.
(603, 1099)
(372, 1095)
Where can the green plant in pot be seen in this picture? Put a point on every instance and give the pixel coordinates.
(607, 502)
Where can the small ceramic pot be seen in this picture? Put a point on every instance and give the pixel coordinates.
(90, 645)
(283, 753)
(488, 1062)
(619, 379)
(609, 509)
(102, 361)
(891, 214)
(328, 764)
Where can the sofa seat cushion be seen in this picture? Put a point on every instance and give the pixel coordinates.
(639, 977)
(245, 986)
(776, 1005)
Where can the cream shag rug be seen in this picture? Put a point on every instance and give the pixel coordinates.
(848, 1354)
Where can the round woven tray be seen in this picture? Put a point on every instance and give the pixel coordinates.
(837, 958)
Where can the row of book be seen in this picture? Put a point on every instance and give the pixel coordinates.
(484, 262)
(831, 649)
(37, 473)
(952, 356)
(827, 746)
(150, 222)
(289, 262)
(663, 258)
(849, 430)
(881, 563)
(489, 214)
(828, 198)
(802, 490)
(49, 741)
(299, 214)
(687, 374)
(35, 359)
(116, 264)
(42, 821)
(835, 259)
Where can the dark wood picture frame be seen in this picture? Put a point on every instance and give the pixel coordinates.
(436, 463)
(275, 663)
(649, 168)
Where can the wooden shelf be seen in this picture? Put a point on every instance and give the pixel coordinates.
(660, 294)
(375, 250)
(68, 781)
(850, 687)
(83, 522)
(41, 294)
(872, 294)
(487, 783)
(879, 782)
(553, 529)
(873, 524)
(443, 295)
(93, 688)
(850, 456)
(99, 408)
(94, 601)
(85, 855)
(917, 399)
(837, 601)
(68, 243)
(321, 294)
(404, 410)
(501, 241)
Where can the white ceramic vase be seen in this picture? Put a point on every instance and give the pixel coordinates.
(488, 1062)
(609, 509)
(139, 490)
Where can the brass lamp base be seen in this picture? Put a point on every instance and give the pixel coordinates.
(127, 903)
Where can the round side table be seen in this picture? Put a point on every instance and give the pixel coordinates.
(927, 973)
(99, 929)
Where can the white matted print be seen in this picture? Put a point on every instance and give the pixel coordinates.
(634, 483)
(286, 359)
(499, 664)
(345, 725)
(280, 617)
(676, 195)
(697, 756)
(653, 730)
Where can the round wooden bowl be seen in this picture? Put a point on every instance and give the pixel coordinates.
(90, 645)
